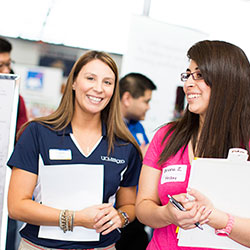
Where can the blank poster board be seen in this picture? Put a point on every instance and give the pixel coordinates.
(158, 50)
(9, 90)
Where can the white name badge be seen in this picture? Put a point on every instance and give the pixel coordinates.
(140, 138)
(173, 173)
(60, 154)
(237, 154)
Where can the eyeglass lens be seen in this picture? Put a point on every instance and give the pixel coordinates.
(195, 75)
(7, 64)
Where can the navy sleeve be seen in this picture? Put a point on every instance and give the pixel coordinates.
(132, 173)
(26, 151)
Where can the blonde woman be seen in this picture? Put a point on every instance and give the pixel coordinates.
(88, 125)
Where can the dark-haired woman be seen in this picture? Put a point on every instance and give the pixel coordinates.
(217, 118)
(87, 128)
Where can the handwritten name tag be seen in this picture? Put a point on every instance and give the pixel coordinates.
(60, 154)
(173, 173)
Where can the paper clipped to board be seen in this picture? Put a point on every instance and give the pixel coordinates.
(220, 180)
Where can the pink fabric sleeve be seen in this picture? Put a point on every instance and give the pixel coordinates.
(155, 148)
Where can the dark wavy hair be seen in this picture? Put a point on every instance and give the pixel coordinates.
(226, 69)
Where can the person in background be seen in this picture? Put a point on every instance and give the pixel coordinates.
(179, 103)
(135, 95)
(5, 68)
(217, 118)
(86, 128)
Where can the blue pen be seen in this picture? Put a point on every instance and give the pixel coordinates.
(179, 206)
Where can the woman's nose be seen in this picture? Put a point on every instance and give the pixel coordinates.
(190, 82)
(98, 86)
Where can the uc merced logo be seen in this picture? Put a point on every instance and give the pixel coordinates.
(112, 159)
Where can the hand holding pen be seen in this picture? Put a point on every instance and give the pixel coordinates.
(180, 207)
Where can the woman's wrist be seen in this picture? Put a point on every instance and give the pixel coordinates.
(228, 228)
(124, 218)
(218, 219)
(164, 215)
(66, 220)
(79, 219)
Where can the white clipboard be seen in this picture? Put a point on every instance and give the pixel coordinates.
(221, 180)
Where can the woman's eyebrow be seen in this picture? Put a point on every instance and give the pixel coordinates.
(197, 68)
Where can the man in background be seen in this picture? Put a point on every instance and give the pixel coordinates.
(5, 67)
(135, 95)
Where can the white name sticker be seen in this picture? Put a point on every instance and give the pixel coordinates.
(60, 154)
(173, 173)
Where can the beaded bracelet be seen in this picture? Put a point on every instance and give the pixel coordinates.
(62, 220)
(66, 220)
(227, 230)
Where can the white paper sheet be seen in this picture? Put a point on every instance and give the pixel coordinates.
(226, 184)
(71, 187)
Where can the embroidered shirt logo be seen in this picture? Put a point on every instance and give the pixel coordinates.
(117, 161)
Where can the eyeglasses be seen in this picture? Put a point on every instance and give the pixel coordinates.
(195, 75)
(6, 64)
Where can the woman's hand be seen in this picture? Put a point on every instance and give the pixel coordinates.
(202, 201)
(186, 219)
(200, 198)
(107, 220)
(87, 216)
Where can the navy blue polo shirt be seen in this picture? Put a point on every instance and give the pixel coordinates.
(121, 168)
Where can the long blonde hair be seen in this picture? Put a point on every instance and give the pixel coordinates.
(111, 115)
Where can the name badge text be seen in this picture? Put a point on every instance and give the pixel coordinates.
(174, 173)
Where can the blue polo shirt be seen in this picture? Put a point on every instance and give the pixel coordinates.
(137, 130)
(121, 168)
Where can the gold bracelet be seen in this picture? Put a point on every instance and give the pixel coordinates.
(72, 220)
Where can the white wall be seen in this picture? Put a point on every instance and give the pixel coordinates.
(158, 50)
